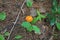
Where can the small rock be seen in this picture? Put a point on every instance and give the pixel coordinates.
(42, 10)
(33, 12)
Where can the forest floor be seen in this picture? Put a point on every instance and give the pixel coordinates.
(12, 7)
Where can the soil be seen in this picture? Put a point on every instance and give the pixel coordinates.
(12, 7)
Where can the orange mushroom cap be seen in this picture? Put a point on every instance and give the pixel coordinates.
(29, 18)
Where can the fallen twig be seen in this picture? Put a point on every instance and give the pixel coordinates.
(16, 19)
(22, 6)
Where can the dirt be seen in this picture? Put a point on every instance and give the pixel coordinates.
(12, 7)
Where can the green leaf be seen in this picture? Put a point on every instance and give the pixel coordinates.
(36, 29)
(2, 15)
(29, 3)
(2, 37)
(38, 12)
(6, 34)
(54, 10)
(35, 20)
(54, 3)
(54, 6)
(29, 29)
(18, 37)
(40, 16)
(51, 18)
(53, 21)
(58, 10)
(27, 25)
(58, 25)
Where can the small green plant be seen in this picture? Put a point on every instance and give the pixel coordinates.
(2, 37)
(6, 34)
(36, 29)
(52, 17)
(29, 3)
(39, 17)
(30, 27)
(2, 15)
(18, 37)
(27, 25)
(58, 25)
